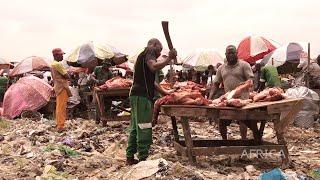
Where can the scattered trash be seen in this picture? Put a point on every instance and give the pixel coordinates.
(68, 151)
(68, 141)
(315, 173)
(145, 169)
(50, 172)
(275, 174)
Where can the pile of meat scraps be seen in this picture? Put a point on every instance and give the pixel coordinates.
(232, 98)
(180, 97)
(116, 83)
(187, 85)
(269, 94)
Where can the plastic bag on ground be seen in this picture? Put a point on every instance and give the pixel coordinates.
(145, 169)
(305, 118)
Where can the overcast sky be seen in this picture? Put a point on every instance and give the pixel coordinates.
(34, 27)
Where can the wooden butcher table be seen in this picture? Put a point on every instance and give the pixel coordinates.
(120, 94)
(254, 112)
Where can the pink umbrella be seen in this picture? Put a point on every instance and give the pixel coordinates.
(27, 94)
(30, 64)
(253, 48)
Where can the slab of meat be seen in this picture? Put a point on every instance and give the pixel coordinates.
(116, 83)
(166, 85)
(238, 102)
(181, 97)
(231, 98)
(269, 94)
(237, 92)
(187, 85)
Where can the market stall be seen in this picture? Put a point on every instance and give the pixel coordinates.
(114, 90)
(253, 112)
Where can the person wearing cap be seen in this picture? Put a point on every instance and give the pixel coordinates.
(61, 87)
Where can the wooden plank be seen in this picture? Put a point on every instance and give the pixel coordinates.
(218, 143)
(188, 140)
(254, 105)
(284, 122)
(243, 115)
(204, 151)
(116, 118)
(186, 112)
(265, 104)
(278, 108)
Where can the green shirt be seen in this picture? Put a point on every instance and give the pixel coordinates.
(3, 84)
(269, 75)
(101, 75)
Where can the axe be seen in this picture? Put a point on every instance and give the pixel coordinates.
(165, 27)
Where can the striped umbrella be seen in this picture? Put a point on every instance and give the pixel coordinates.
(31, 63)
(253, 48)
(89, 54)
(288, 53)
(202, 58)
(4, 64)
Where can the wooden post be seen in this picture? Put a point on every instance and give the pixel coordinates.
(308, 68)
(188, 139)
(175, 128)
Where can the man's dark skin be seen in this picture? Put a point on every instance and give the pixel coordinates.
(159, 64)
(318, 60)
(59, 58)
(232, 59)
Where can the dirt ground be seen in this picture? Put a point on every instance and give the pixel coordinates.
(34, 149)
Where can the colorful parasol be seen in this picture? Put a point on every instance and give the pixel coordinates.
(31, 64)
(27, 94)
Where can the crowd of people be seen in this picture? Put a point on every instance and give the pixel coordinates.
(147, 75)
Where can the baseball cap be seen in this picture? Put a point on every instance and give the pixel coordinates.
(57, 51)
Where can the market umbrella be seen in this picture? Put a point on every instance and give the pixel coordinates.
(202, 58)
(30, 64)
(4, 64)
(288, 53)
(253, 48)
(27, 94)
(90, 54)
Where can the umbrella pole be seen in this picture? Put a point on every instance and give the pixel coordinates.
(308, 68)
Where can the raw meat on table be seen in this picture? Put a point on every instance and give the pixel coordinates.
(269, 94)
(116, 83)
(181, 97)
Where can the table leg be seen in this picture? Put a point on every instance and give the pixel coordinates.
(188, 139)
(281, 140)
(175, 128)
(261, 128)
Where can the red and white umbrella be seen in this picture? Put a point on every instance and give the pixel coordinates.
(253, 48)
(30, 64)
(290, 52)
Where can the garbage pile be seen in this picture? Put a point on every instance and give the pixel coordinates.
(35, 150)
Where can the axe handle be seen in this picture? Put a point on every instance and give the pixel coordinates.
(165, 27)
